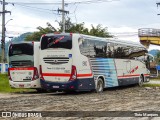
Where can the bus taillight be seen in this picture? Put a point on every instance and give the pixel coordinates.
(35, 74)
(73, 73)
(9, 75)
(40, 69)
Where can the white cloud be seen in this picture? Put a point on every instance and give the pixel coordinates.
(123, 29)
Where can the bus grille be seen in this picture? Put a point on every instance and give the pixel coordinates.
(21, 63)
(53, 60)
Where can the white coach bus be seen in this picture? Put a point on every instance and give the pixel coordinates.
(24, 65)
(79, 62)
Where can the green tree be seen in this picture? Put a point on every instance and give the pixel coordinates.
(37, 35)
(98, 31)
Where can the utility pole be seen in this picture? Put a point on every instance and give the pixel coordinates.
(63, 16)
(3, 59)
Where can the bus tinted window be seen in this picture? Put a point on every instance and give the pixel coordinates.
(102, 49)
(19, 49)
(56, 41)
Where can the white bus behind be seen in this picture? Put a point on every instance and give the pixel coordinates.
(24, 65)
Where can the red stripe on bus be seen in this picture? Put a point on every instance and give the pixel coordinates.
(129, 76)
(146, 74)
(84, 75)
(31, 68)
(56, 74)
(65, 75)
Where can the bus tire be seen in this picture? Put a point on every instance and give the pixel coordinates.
(141, 81)
(100, 86)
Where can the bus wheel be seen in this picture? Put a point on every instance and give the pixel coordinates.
(100, 85)
(141, 79)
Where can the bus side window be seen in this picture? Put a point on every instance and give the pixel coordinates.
(100, 49)
(103, 49)
(92, 52)
(96, 48)
(83, 46)
(136, 52)
(110, 50)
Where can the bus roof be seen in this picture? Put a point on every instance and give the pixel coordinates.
(118, 41)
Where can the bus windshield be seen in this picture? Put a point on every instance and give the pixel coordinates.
(56, 41)
(21, 49)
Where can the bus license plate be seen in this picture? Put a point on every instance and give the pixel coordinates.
(21, 86)
(55, 86)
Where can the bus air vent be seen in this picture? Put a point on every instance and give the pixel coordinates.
(56, 60)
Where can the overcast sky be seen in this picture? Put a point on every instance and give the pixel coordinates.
(122, 17)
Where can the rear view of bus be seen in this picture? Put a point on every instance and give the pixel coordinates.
(56, 67)
(24, 64)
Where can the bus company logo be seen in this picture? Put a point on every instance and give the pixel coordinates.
(55, 61)
(6, 114)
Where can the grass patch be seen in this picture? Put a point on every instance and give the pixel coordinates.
(5, 87)
(151, 85)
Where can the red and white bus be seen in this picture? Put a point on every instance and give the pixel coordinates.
(24, 65)
(79, 62)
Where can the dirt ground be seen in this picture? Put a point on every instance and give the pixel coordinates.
(132, 98)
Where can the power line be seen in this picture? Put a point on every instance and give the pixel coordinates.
(55, 3)
(34, 3)
(40, 9)
(31, 5)
(94, 1)
(74, 12)
(37, 8)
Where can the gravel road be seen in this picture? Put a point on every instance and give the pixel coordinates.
(132, 98)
